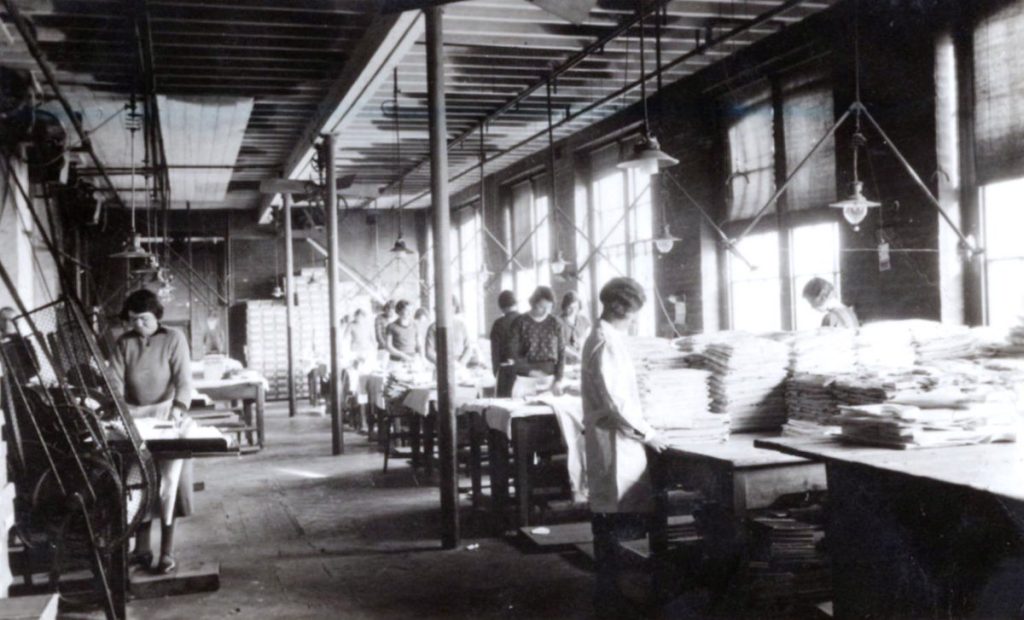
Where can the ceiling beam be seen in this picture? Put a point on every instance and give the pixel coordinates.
(383, 46)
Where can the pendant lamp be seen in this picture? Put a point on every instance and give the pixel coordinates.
(400, 246)
(647, 156)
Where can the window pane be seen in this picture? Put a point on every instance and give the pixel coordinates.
(1004, 219)
(1005, 292)
(814, 253)
(807, 115)
(522, 222)
(752, 290)
(751, 153)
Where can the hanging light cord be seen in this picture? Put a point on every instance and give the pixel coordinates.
(643, 69)
(398, 148)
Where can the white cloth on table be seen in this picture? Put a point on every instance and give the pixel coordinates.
(170, 469)
(569, 413)
(527, 387)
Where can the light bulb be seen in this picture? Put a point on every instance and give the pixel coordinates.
(664, 246)
(649, 167)
(855, 213)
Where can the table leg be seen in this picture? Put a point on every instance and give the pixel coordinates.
(474, 421)
(429, 432)
(261, 400)
(247, 418)
(522, 451)
(657, 535)
(498, 446)
(416, 430)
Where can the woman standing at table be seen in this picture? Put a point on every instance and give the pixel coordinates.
(151, 367)
(577, 327)
(616, 434)
(402, 339)
(537, 344)
(822, 296)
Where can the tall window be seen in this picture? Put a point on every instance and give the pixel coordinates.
(623, 226)
(1003, 219)
(468, 268)
(814, 253)
(755, 291)
(529, 239)
(800, 105)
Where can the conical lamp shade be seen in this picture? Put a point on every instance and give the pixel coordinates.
(132, 248)
(648, 157)
(855, 206)
(400, 247)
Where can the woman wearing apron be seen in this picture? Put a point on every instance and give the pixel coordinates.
(616, 434)
(152, 368)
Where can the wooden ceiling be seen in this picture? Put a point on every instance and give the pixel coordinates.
(290, 57)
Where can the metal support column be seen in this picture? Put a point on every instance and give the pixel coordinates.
(289, 299)
(442, 278)
(337, 433)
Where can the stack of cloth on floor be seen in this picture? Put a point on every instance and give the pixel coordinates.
(948, 416)
(675, 398)
(885, 345)
(748, 382)
(788, 568)
(935, 341)
(811, 406)
(824, 351)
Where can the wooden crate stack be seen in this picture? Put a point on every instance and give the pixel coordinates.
(266, 344)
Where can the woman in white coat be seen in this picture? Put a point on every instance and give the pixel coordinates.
(616, 435)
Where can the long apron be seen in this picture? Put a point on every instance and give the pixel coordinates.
(176, 475)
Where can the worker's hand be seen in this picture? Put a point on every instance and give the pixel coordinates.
(177, 415)
(556, 388)
(656, 443)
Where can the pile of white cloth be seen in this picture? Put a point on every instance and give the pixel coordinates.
(885, 345)
(825, 350)
(936, 341)
(748, 382)
(675, 398)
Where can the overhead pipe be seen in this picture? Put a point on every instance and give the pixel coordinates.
(33, 48)
(696, 51)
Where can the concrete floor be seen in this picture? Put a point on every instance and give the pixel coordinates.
(302, 534)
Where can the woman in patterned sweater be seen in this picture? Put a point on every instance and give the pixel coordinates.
(537, 343)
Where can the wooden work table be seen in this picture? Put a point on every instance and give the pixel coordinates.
(929, 533)
(735, 476)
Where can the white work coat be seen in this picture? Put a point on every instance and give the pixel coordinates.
(614, 425)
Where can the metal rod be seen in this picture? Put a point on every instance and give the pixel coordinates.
(337, 432)
(29, 39)
(442, 277)
(696, 51)
(289, 299)
(618, 223)
(521, 245)
(580, 56)
(817, 145)
(967, 243)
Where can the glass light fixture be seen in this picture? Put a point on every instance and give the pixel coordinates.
(855, 206)
(665, 242)
(559, 264)
(278, 292)
(132, 248)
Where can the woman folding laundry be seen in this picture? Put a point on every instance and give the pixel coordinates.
(151, 367)
(537, 344)
(616, 434)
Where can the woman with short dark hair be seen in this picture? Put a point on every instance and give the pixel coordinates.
(616, 436)
(577, 327)
(152, 369)
(822, 296)
(402, 340)
(537, 344)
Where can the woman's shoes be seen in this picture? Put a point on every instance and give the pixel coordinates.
(142, 559)
(166, 566)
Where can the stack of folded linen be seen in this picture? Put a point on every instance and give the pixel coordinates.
(825, 351)
(936, 341)
(748, 382)
(675, 398)
(811, 406)
(930, 422)
(868, 388)
(885, 345)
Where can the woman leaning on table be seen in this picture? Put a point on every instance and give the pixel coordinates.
(616, 434)
(537, 345)
(152, 368)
